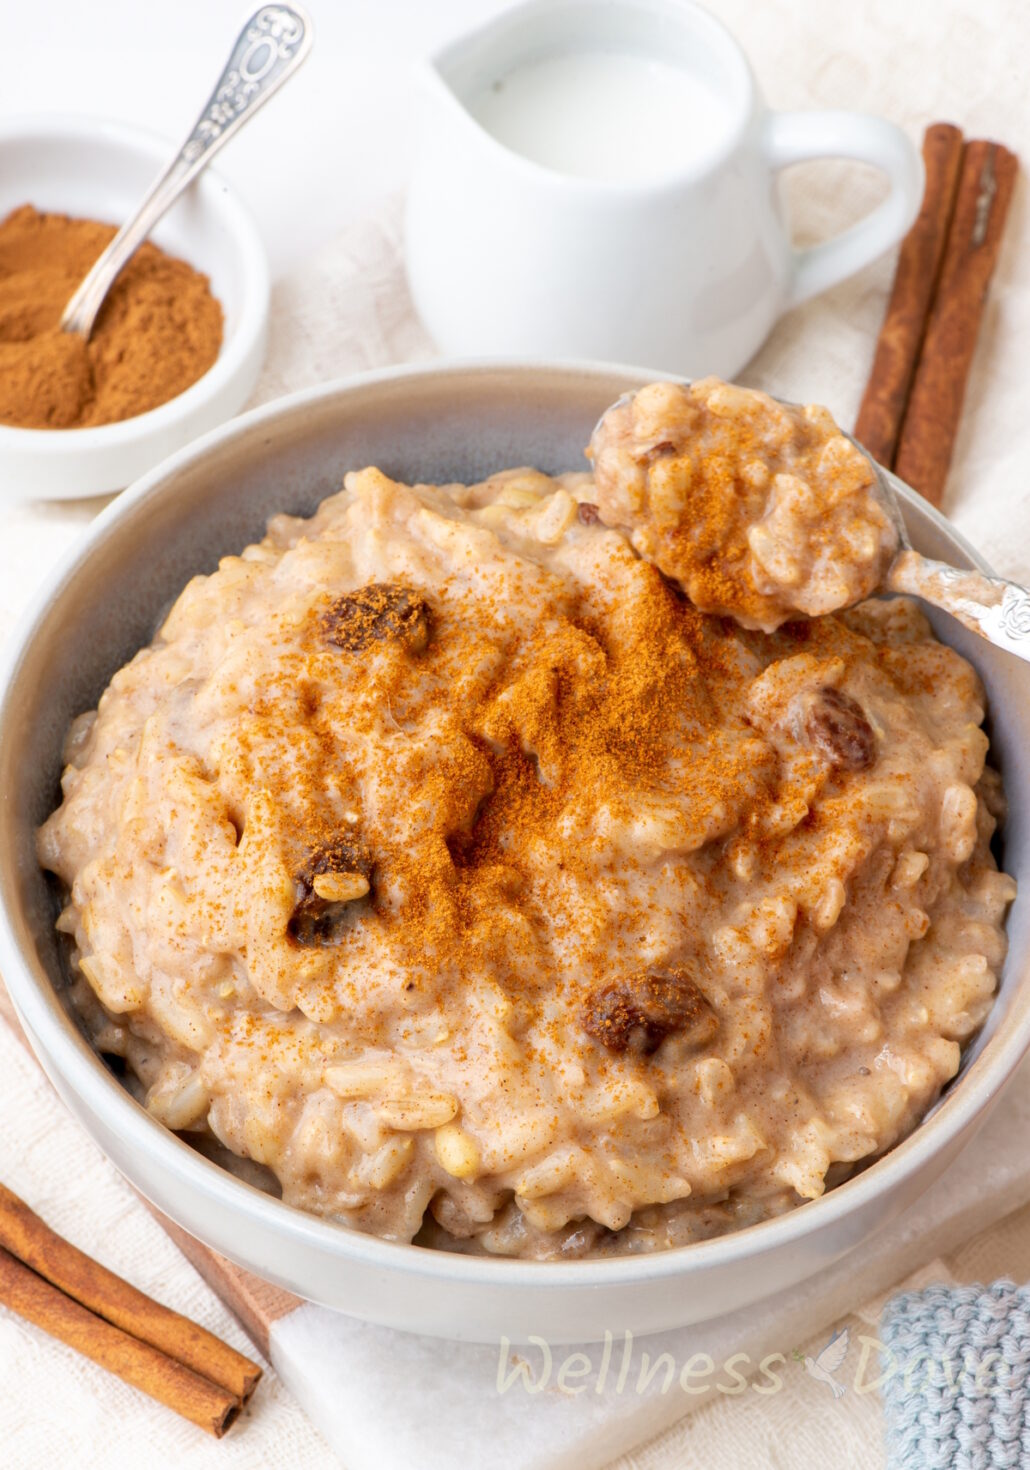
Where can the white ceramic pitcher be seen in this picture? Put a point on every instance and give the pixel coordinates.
(687, 274)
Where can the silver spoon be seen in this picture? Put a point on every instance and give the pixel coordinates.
(991, 607)
(988, 606)
(269, 48)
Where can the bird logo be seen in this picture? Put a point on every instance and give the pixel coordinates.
(829, 1360)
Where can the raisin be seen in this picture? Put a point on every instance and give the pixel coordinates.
(378, 613)
(343, 870)
(588, 513)
(638, 1013)
(838, 726)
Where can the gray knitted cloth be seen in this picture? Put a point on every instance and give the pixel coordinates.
(956, 1378)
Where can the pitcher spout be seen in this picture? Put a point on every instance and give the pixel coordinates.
(480, 56)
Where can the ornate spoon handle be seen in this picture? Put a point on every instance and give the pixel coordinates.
(995, 609)
(988, 606)
(270, 47)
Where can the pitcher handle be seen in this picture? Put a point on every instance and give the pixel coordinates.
(799, 137)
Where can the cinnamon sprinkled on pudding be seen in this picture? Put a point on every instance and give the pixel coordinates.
(440, 856)
(759, 510)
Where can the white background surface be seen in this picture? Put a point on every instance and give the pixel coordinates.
(324, 152)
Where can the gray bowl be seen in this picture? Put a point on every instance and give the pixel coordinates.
(436, 423)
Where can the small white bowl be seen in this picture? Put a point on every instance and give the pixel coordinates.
(101, 170)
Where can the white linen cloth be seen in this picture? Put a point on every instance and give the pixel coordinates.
(348, 311)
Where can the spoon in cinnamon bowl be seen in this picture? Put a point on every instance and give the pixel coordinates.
(765, 511)
(270, 47)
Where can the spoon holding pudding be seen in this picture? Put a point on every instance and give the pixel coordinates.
(766, 512)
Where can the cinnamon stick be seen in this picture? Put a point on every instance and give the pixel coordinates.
(919, 261)
(204, 1403)
(32, 1241)
(931, 419)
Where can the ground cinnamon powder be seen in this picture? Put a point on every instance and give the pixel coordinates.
(158, 331)
(594, 709)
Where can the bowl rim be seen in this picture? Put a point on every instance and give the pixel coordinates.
(213, 191)
(55, 1036)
